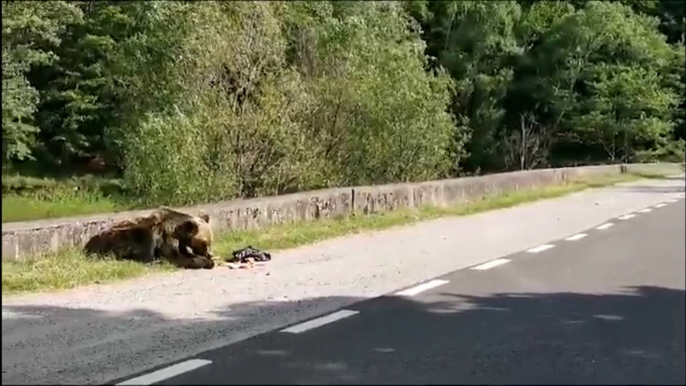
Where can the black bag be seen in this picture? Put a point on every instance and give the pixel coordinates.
(242, 255)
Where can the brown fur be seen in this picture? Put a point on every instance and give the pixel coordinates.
(180, 238)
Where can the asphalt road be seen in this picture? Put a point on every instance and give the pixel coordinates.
(605, 308)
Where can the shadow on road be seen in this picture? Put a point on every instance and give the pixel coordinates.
(635, 337)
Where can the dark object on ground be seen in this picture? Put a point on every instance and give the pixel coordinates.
(245, 254)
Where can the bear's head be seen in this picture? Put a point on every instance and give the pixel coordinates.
(196, 232)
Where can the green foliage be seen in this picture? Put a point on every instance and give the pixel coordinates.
(30, 34)
(377, 116)
(476, 43)
(19, 101)
(624, 104)
(258, 111)
(670, 151)
(202, 101)
(604, 70)
(228, 125)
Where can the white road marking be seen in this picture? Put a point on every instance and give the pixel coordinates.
(660, 205)
(605, 226)
(576, 237)
(672, 201)
(491, 264)
(646, 210)
(681, 195)
(422, 287)
(318, 322)
(167, 372)
(627, 216)
(540, 248)
(608, 317)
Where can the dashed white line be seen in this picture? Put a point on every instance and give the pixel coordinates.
(646, 210)
(541, 248)
(605, 226)
(672, 201)
(660, 205)
(626, 216)
(491, 264)
(321, 321)
(422, 287)
(167, 372)
(576, 237)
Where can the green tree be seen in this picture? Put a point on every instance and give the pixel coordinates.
(670, 13)
(19, 101)
(377, 116)
(265, 112)
(625, 107)
(580, 79)
(476, 43)
(31, 32)
(79, 104)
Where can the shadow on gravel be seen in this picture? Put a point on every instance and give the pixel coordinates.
(636, 337)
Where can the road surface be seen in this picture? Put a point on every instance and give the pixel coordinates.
(116, 332)
(605, 306)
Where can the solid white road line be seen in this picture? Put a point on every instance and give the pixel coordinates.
(422, 287)
(167, 372)
(646, 210)
(576, 237)
(605, 226)
(660, 205)
(491, 264)
(627, 216)
(318, 322)
(540, 248)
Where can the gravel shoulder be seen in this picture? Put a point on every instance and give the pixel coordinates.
(93, 334)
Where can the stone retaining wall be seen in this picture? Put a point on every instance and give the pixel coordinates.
(26, 238)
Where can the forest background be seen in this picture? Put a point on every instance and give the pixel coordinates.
(116, 105)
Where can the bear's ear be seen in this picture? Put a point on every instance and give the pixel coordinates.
(205, 217)
(187, 228)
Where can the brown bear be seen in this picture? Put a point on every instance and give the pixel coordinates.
(180, 238)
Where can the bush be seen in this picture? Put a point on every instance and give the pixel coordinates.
(254, 121)
(672, 151)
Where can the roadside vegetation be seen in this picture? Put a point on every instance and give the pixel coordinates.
(70, 268)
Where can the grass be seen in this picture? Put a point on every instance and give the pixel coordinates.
(30, 198)
(70, 268)
(26, 208)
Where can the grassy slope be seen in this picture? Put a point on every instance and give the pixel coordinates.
(26, 198)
